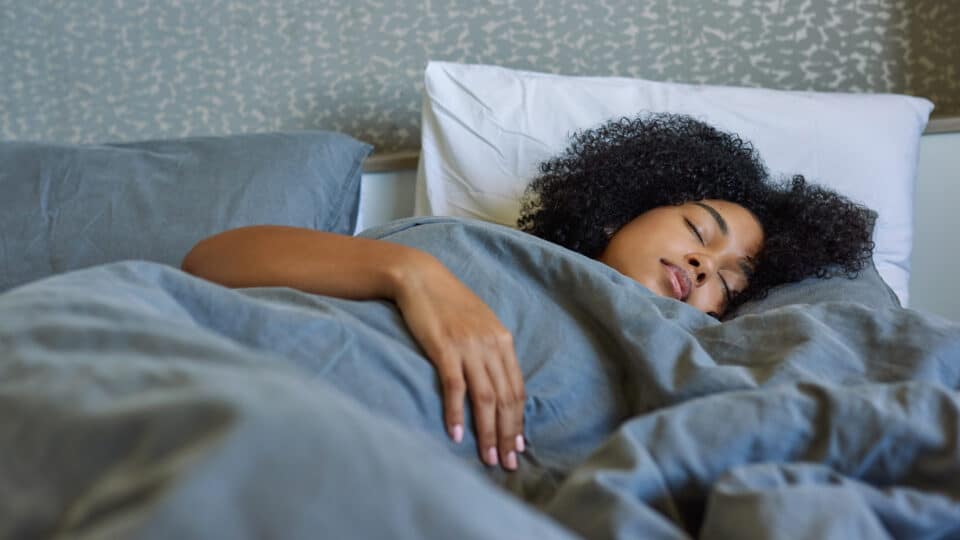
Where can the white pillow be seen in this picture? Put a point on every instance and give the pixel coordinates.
(485, 130)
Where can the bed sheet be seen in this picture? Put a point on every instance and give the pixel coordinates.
(140, 401)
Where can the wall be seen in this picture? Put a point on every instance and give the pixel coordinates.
(934, 284)
(110, 70)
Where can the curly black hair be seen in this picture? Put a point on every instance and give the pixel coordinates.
(611, 174)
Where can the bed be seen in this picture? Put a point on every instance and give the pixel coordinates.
(141, 401)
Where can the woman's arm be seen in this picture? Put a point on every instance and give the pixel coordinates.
(312, 261)
(459, 333)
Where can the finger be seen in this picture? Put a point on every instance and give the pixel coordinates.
(484, 400)
(454, 390)
(506, 431)
(515, 378)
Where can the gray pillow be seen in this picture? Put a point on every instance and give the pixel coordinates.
(65, 207)
(868, 288)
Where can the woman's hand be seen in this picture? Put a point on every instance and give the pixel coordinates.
(472, 352)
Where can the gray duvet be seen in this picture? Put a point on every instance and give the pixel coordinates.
(137, 401)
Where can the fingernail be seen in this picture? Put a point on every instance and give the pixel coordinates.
(512, 460)
(520, 446)
(457, 433)
(491, 456)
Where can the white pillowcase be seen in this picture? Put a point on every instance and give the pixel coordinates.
(485, 130)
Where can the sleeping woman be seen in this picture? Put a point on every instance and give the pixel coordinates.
(684, 209)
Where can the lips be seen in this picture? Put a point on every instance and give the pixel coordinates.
(679, 281)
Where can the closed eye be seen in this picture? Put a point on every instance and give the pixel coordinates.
(694, 230)
(726, 289)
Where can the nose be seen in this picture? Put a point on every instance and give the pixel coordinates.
(702, 266)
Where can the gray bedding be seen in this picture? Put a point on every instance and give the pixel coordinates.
(139, 401)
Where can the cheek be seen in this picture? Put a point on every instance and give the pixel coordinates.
(632, 263)
(708, 298)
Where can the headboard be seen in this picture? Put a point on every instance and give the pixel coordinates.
(105, 70)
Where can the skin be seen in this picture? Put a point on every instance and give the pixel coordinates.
(662, 245)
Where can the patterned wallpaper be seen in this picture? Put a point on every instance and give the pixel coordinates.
(110, 70)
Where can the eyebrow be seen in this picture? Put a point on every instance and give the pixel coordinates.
(722, 223)
(747, 263)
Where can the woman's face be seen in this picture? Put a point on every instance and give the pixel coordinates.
(701, 253)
